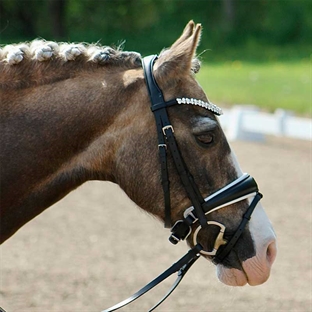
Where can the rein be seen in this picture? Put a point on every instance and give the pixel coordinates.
(240, 189)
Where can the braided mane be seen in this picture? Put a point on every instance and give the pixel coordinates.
(40, 62)
(42, 50)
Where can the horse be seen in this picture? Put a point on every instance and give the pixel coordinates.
(73, 112)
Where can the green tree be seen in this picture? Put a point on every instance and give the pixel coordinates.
(149, 25)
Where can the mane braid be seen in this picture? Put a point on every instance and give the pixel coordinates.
(42, 50)
(42, 62)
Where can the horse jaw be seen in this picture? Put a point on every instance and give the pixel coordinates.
(256, 270)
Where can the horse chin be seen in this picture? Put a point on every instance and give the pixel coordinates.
(231, 276)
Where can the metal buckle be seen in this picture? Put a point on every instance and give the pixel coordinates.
(218, 242)
(174, 238)
(189, 212)
(162, 145)
(167, 127)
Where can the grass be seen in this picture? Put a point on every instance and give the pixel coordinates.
(269, 86)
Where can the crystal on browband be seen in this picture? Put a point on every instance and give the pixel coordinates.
(212, 107)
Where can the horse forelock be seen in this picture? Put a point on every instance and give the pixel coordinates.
(42, 51)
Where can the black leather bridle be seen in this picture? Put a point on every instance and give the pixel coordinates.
(240, 189)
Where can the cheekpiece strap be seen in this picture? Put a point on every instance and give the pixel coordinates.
(158, 106)
(166, 137)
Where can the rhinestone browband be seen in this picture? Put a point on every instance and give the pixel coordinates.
(212, 107)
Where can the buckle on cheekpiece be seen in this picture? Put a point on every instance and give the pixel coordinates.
(167, 127)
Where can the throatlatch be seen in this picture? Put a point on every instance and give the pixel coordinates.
(240, 189)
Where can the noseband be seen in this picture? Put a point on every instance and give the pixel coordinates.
(240, 189)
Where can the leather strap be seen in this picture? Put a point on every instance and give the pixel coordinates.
(166, 138)
(246, 186)
(182, 265)
(157, 101)
(186, 178)
(225, 249)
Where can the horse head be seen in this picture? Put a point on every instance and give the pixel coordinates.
(205, 155)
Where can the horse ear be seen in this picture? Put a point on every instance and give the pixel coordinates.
(177, 61)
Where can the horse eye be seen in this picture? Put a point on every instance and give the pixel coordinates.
(205, 139)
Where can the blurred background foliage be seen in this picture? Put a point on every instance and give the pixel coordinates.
(149, 25)
(235, 33)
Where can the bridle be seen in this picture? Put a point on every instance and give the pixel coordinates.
(240, 189)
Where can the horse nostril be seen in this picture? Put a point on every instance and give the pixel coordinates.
(271, 252)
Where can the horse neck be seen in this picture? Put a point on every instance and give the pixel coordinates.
(57, 136)
(63, 134)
